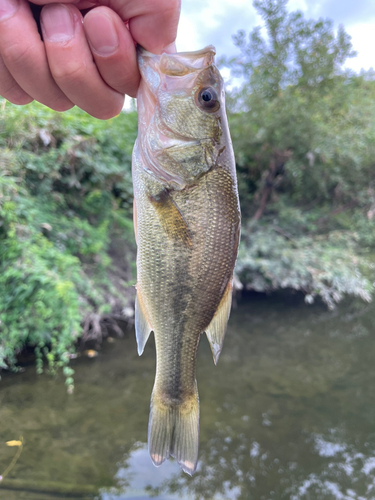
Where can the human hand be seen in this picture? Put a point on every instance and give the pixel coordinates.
(85, 61)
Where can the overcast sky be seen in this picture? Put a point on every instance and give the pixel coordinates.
(205, 22)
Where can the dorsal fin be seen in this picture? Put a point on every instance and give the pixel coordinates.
(216, 329)
(142, 325)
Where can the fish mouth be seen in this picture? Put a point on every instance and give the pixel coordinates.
(194, 54)
(179, 63)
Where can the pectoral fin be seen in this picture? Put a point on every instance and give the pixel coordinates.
(142, 325)
(216, 329)
(171, 218)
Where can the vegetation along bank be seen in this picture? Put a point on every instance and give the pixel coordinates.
(303, 130)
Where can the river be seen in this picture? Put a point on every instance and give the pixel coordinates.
(288, 413)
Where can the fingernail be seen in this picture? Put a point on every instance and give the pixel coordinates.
(101, 33)
(8, 8)
(57, 23)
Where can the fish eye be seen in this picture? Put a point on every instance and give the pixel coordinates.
(206, 95)
(208, 99)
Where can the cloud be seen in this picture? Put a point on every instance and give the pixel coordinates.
(346, 12)
(215, 21)
(363, 40)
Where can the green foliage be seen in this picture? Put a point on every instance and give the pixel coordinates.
(65, 196)
(297, 52)
(324, 266)
(303, 132)
(297, 98)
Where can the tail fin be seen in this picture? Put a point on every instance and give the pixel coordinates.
(174, 430)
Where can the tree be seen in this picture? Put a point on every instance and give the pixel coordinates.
(288, 76)
(302, 128)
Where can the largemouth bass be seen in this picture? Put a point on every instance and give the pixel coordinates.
(187, 224)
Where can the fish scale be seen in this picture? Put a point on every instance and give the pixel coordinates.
(187, 223)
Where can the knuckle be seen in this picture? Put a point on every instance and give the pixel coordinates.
(18, 97)
(109, 111)
(21, 101)
(61, 103)
(171, 9)
(128, 87)
(62, 107)
(11, 91)
(17, 54)
(166, 6)
(8, 87)
(71, 72)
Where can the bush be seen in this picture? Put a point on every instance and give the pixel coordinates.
(65, 201)
(327, 266)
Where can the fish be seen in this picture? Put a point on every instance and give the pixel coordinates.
(187, 228)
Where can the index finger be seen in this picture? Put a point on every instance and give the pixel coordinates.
(152, 23)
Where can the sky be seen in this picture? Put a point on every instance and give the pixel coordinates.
(205, 22)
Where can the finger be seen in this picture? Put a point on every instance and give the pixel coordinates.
(153, 24)
(72, 65)
(23, 54)
(10, 89)
(113, 49)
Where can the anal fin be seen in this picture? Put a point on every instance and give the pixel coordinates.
(216, 329)
(142, 325)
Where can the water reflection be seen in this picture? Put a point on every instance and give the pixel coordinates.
(288, 413)
(137, 476)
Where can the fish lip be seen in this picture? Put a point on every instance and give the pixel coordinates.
(191, 54)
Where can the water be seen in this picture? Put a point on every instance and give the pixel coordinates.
(288, 413)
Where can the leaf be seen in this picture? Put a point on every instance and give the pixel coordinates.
(14, 443)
